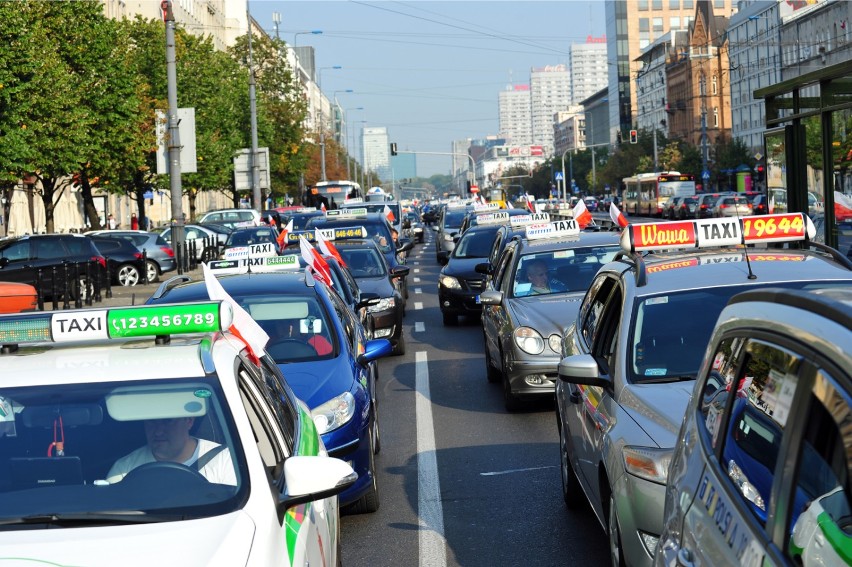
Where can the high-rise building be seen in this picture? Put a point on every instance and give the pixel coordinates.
(631, 27)
(374, 142)
(513, 105)
(550, 92)
(588, 68)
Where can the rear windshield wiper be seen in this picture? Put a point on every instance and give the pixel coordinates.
(81, 518)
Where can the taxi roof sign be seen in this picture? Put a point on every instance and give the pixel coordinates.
(115, 323)
(349, 212)
(260, 250)
(486, 206)
(532, 218)
(555, 229)
(712, 233)
(264, 265)
(497, 217)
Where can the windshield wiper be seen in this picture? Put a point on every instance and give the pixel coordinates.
(668, 379)
(82, 518)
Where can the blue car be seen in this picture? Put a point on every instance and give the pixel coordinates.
(323, 353)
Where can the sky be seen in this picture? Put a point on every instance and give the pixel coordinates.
(430, 71)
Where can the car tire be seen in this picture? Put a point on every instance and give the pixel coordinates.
(491, 373)
(368, 503)
(399, 349)
(572, 492)
(450, 319)
(616, 551)
(153, 271)
(82, 289)
(128, 275)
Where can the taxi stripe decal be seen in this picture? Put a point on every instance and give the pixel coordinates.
(308, 446)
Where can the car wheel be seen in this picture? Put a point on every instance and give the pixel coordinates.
(615, 554)
(399, 349)
(153, 271)
(491, 373)
(368, 503)
(377, 439)
(82, 289)
(572, 493)
(450, 319)
(127, 275)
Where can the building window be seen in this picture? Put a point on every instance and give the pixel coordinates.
(714, 85)
(674, 4)
(642, 5)
(658, 24)
(715, 116)
(688, 4)
(719, 4)
(657, 4)
(644, 25)
(674, 23)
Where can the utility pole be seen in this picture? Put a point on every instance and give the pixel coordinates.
(175, 187)
(704, 158)
(255, 167)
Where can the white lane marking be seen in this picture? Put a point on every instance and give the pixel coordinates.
(418, 290)
(416, 270)
(432, 544)
(419, 327)
(418, 305)
(416, 263)
(510, 471)
(416, 280)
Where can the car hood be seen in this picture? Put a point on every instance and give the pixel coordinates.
(380, 285)
(548, 314)
(464, 267)
(658, 408)
(318, 381)
(222, 540)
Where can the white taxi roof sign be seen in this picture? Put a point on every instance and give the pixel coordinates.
(486, 206)
(115, 323)
(497, 217)
(555, 229)
(713, 233)
(532, 218)
(348, 212)
(268, 264)
(260, 250)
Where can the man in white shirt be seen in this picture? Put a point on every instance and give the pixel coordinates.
(169, 440)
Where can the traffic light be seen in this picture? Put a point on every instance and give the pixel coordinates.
(393, 148)
(634, 137)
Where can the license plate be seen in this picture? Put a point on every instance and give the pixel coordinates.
(477, 299)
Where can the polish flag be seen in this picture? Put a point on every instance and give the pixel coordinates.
(315, 262)
(322, 208)
(581, 214)
(243, 326)
(328, 248)
(389, 214)
(282, 236)
(617, 216)
(530, 205)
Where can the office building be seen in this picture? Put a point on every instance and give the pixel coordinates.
(374, 144)
(515, 115)
(588, 68)
(550, 92)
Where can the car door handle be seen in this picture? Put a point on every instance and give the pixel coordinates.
(575, 397)
(684, 557)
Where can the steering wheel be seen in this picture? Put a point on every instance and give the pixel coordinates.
(285, 349)
(165, 471)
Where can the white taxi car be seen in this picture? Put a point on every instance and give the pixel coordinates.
(150, 436)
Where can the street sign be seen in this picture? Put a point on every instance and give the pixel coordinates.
(705, 175)
(558, 176)
(186, 132)
(242, 169)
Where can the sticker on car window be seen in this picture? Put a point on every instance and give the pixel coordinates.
(7, 419)
(523, 288)
(563, 254)
(655, 372)
(657, 300)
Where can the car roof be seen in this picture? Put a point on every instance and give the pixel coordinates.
(285, 283)
(581, 240)
(721, 267)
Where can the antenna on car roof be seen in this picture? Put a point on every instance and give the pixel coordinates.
(751, 275)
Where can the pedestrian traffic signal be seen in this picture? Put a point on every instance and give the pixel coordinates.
(634, 137)
(393, 148)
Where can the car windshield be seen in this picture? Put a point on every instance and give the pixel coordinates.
(253, 236)
(560, 271)
(298, 326)
(74, 453)
(662, 348)
(363, 262)
(474, 244)
(378, 230)
(454, 220)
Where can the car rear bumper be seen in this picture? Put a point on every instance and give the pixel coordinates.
(460, 302)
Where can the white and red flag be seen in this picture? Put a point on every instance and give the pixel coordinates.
(315, 262)
(322, 207)
(581, 214)
(243, 326)
(617, 216)
(530, 205)
(389, 214)
(328, 248)
(282, 236)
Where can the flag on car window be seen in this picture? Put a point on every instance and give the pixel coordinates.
(328, 248)
(315, 262)
(389, 214)
(617, 216)
(282, 236)
(581, 214)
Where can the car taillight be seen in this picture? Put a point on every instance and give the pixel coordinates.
(168, 250)
(703, 206)
(138, 255)
(723, 206)
(100, 260)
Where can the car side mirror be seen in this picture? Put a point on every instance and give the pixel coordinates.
(456, 238)
(434, 228)
(399, 271)
(404, 245)
(483, 268)
(313, 478)
(367, 299)
(373, 350)
(491, 297)
(582, 369)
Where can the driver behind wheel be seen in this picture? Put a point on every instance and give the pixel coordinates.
(169, 440)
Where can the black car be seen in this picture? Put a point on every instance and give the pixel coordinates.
(125, 264)
(240, 241)
(376, 281)
(459, 284)
(449, 226)
(74, 259)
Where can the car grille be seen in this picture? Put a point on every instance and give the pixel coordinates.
(475, 284)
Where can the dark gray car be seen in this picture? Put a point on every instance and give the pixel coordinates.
(161, 257)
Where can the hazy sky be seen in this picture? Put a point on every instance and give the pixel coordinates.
(430, 71)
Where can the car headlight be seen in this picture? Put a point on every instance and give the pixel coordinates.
(449, 282)
(529, 340)
(334, 413)
(648, 462)
(384, 304)
(555, 343)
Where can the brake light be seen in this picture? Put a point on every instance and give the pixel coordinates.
(703, 206)
(168, 250)
(100, 260)
(138, 255)
(723, 206)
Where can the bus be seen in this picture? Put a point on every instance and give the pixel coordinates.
(332, 194)
(645, 193)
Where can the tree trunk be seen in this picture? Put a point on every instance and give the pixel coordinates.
(48, 190)
(8, 193)
(191, 198)
(31, 205)
(89, 202)
(139, 188)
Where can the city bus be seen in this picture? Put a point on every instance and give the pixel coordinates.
(645, 193)
(332, 194)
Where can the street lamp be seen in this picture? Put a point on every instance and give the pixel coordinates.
(297, 34)
(322, 118)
